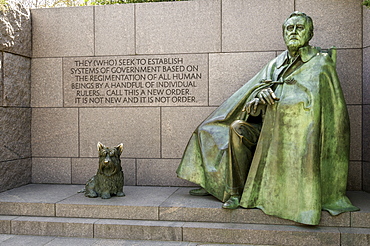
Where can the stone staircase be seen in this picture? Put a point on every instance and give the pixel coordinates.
(168, 214)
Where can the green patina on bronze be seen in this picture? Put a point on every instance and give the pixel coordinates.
(109, 179)
(291, 160)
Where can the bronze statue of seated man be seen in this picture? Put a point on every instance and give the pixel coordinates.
(281, 142)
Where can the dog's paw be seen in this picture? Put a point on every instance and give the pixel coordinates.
(91, 194)
(105, 196)
(121, 194)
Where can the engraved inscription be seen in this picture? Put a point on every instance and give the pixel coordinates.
(168, 80)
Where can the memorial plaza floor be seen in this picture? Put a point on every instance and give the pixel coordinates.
(17, 240)
(43, 214)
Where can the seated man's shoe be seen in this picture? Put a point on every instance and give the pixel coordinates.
(232, 203)
(199, 192)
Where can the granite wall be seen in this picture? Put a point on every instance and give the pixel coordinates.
(15, 94)
(212, 46)
(366, 99)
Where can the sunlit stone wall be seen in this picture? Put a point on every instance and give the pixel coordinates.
(15, 85)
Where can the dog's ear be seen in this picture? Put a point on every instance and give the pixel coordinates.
(100, 146)
(120, 148)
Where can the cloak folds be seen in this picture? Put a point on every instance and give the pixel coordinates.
(301, 159)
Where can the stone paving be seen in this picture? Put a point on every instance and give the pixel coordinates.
(57, 214)
(10, 239)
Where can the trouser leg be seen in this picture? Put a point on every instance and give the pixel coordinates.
(242, 142)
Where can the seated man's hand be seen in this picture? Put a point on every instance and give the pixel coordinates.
(252, 105)
(265, 96)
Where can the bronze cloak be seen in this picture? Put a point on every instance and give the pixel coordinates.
(301, 160)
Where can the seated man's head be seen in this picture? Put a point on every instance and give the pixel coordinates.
(297, 31)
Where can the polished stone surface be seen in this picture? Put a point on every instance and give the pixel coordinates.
(159, 172)
(366, 26)
(115, 126)
(366, 75)
(365, 176)
(178, 27)
(114, 30)
(355, 116)
(43, 170)
(366, 134)
(252, 26)
(354, 181)
(229, 71)
(177, 128)
(350, 72)
(343, 32)
(63, 32)
(47, 81)
(55, 132)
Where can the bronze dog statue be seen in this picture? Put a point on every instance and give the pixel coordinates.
(109, 179)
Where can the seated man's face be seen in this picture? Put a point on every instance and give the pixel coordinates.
(296, 32)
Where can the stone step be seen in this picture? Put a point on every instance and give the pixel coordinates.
(168, 214)
(30, 240)
(154, 203)
(231, 233)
